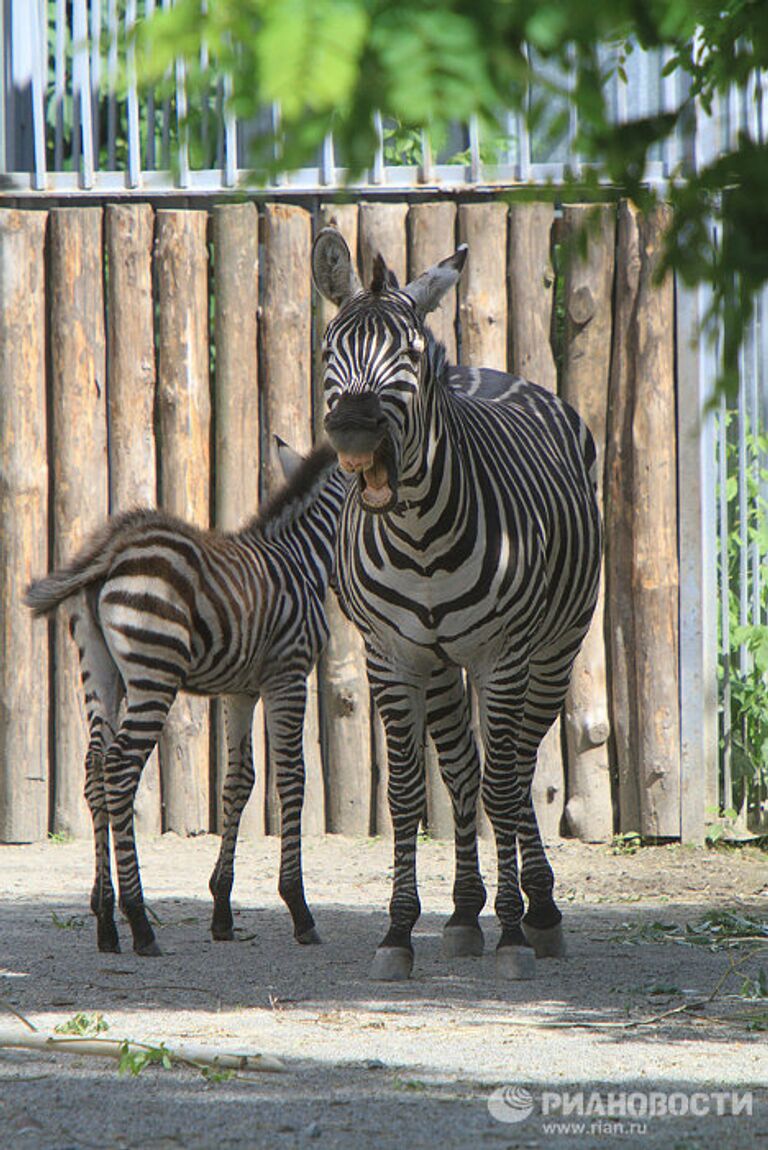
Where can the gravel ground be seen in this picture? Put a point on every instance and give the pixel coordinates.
(388, 1065)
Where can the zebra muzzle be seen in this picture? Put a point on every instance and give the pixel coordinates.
(375, 490)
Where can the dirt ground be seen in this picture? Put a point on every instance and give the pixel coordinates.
(597, 1040)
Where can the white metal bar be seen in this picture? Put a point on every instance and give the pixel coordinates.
(81, 87)
(112, 61)
(149, 157)
(426, 168)
(230, 136)
(379, 171)
(95, 45)
(475, 161)
(725, 618)
(181, 123)
(132, 100)
(328, 165)
(39, 68)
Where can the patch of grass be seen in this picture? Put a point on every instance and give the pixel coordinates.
(627, 844)
(59, 837)
(72, 922)
(83, 1025)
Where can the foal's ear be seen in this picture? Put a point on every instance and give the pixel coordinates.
(332, 268)
(429, 288)
(290, 460)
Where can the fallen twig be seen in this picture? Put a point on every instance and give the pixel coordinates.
(197, 1056)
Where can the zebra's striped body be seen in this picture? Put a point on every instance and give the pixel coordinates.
(471, 544)
(157, 606)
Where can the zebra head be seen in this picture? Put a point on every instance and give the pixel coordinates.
(375, 363)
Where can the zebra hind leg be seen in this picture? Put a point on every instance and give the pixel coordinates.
(136, 738)
(238, 785)
(502, 796)
(284, 707)
(102, 688)
(449, 723)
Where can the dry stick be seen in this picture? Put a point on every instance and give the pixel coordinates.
(686, 1006)
(12, 1010)
(196, 1056)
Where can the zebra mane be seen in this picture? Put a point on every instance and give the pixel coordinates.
(383, 277)
(288, 503)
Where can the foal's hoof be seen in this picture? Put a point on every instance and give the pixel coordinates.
(309, 937)
(391, 964)
(549, 943)
(462, 941)
(149, 950)
(515, 963)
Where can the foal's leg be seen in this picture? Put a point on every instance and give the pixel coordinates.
(145, 714)
(102, 688)
(284, 706)
(449, 723)
(402, 709)
(238, 784)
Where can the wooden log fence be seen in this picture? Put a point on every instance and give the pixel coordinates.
(150, 355)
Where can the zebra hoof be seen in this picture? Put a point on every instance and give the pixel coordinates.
(549, 943)
(222, 934)
(462, 941)
(391, 964)
(515, 963)
(309, 937)
(149, 950)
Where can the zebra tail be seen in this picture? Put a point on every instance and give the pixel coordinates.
(44, 595)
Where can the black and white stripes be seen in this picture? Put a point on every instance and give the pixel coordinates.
(157, 606)
(470, 544)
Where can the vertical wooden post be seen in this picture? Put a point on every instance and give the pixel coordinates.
(184, 428)
(655, 580)
(588, 293)
(287, 410)
(344, 694)
(483, 285)
(131, 380)
(619, 521)
(80, 480)
(382, 230)
(531, 293)
(24, 679)
(237, 451)
(531, 304)
(432, 237)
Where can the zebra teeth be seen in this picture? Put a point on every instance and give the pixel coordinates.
(354, 463)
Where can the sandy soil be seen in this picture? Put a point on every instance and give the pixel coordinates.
(383, 1065)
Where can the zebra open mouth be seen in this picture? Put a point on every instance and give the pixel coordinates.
(375, 490)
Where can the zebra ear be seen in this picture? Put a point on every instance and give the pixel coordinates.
(332, 269)
(429, 288)
(290, 460)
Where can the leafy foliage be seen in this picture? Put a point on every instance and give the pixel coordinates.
(83, 1025)
(425, 64)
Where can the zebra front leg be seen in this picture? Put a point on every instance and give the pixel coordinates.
(284, 707)
(136, 738)
(238, 784)
(449, 723)
(402, 710)
(102, 688)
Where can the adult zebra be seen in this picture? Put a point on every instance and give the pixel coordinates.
(157, 606)
(471, 541)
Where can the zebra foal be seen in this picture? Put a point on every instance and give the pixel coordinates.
(471, 543)
(157, 606)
